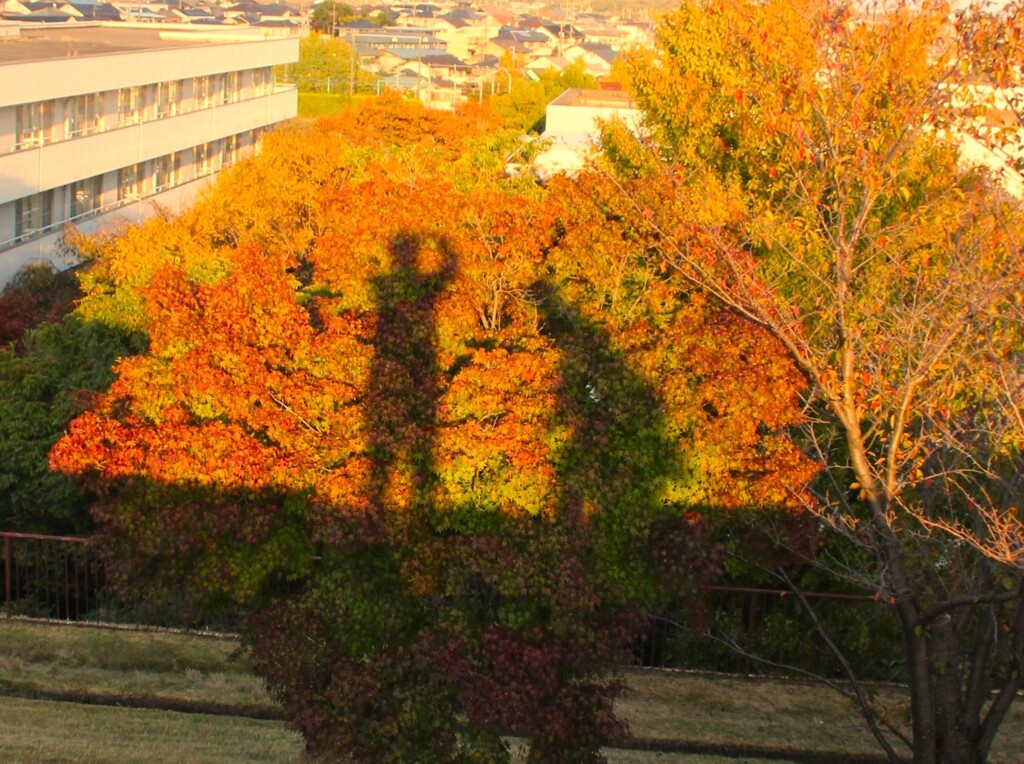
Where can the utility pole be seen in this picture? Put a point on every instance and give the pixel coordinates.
(352, 62)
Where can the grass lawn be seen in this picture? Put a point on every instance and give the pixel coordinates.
(44, 661)
(47, 731)
(41, 731)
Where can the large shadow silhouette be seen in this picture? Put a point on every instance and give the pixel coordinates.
(430, 638)
(401, 410)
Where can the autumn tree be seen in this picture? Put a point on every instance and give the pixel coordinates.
(524, 106)
(327, 15)
(328, 65)
(432, 426)
(801, 167)
(36, 293)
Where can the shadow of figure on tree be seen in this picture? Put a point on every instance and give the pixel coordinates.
(437, 627)
(453, 626)
(401, 402)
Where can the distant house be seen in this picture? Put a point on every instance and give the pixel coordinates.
(525, 43)
(466, 32)
(198, 15)
(369, 44)
(98, 11)
(12, 8)
(260, 13)
(597, 58)
(543, 64)
(424, 61)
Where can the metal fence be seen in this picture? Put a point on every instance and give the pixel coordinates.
(61, 578)
(769, 631)
(727, 629)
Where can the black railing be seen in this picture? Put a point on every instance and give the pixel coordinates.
(62, 578)
(723, 628)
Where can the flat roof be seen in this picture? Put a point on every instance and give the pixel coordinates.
(72, 40)
(595, 98)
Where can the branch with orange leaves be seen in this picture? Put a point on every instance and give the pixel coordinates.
(1003, 540)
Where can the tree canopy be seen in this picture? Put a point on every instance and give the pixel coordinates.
(455, 430)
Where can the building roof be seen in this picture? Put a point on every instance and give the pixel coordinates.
(383, 38)
(71, 40)
(608, 99)
(605, 52)
(509, 34)
(47, 15)
(97, 11)
(429, 56)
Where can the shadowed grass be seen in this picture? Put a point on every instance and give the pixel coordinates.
(177, 670)
(45, 659)
(46, 731)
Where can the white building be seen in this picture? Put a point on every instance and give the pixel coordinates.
(104, 124)
(572, 128)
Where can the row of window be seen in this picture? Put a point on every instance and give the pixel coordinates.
(59, 119)
(35, 214)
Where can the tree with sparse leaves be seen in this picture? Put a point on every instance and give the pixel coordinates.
(802, 167)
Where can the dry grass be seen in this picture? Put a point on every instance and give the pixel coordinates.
(45, 731)
(770, 714)
(43, 660)
(48, 732)
(47, 659)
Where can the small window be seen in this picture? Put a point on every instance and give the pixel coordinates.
(168, 98)
(33, 215)
(84, 114)
(85, 196)
(202, 92)
(230, 151)
(131, 105)
(203, 158)
(167, 171)
(34, 123)
(128, 183)
(232, 86)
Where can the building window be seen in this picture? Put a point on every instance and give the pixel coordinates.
(202, 92)
(261, 80)
(168, 98)
(167, 171)
(232, 86)
(83, 114)
(204, 159)
(33, 214)
(85, 196)
(230, 151)
(131, 105)
(34, 123)
(256, 139)
(128, 183)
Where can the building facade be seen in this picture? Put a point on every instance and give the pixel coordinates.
(103, 125)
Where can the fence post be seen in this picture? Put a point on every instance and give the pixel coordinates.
(7, 575)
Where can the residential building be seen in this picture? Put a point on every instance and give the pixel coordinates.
(572, 128)
(101, 125)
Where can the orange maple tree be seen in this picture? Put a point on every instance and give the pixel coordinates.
(410, 411)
